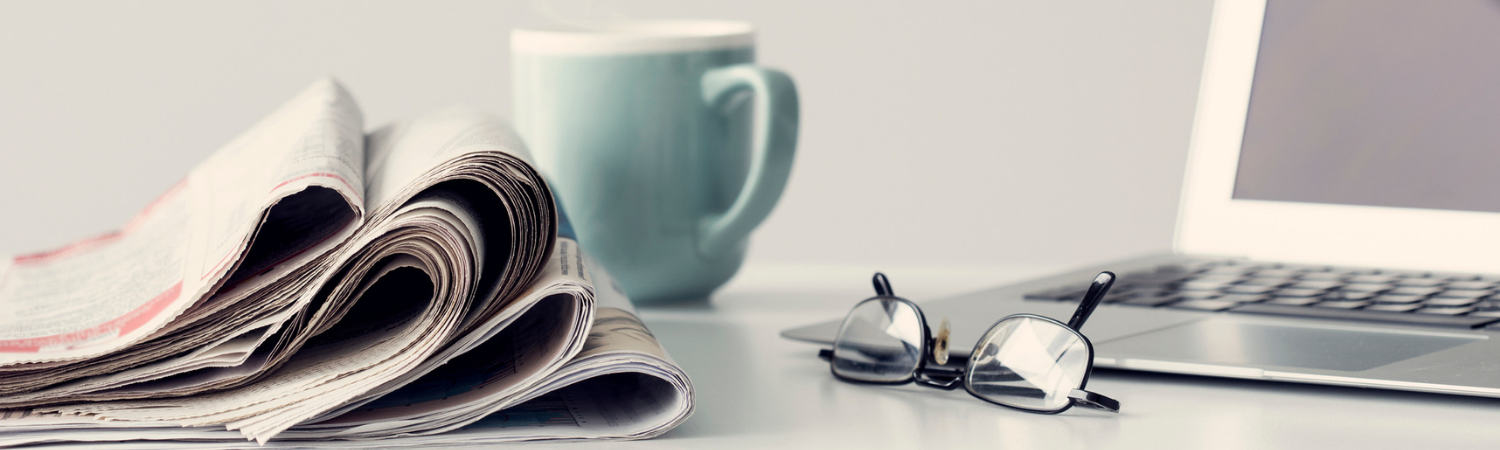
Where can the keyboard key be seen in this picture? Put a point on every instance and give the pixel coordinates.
(1464, 293)
(1343, 304)
(1486, 311)
(1297, 292)
(1474, 285)
(1403, 274)
(1365, 315)
(1150, 300)
(1242, 298)
(1372, 279)
(1393, 307)
(1459, 276)
(1323, 276)
(1210, 279)
(1415, 290)
(1141, 287)
(1152, 278)
(1365, 287)
(1198, 295)
(1249, 289)
(1177, 268)
(1420, 282)
(1276, 273)
(1446, 311)
(1316, 284)
(1227, 271)
(1204, 305)
(1208, 283)
(1399, 298)
(1272, 282)
(1341, 295)
(1296, 301)
(1446, 301)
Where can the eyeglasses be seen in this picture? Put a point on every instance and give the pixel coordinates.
(1025, 361)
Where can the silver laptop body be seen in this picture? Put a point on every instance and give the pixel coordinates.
(1340, 220)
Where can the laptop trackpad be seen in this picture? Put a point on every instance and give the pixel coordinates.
(1231, 342)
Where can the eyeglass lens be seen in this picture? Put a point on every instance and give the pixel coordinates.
(1028, 363)
(880, 341)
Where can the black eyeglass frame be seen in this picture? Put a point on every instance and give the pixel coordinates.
(952, 377)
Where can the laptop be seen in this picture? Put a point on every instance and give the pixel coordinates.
(1340, 215)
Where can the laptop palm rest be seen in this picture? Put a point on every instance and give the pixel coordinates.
(1247, 343)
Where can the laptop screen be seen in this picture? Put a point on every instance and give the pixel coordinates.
(1376, 102)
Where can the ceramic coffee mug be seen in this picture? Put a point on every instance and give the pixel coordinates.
(664, 140)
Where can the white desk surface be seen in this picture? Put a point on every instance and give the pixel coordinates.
(758, 390)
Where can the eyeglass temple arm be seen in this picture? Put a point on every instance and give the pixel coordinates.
(882, 285)
(826, 354)
(1091, 299)
(1094, 400)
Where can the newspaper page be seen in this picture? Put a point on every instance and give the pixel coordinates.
(623, 385)
(415, 286)
(121, 287)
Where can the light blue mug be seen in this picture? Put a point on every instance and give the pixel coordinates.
(664, 140)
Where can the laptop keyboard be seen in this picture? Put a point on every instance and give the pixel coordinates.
(1370, 295)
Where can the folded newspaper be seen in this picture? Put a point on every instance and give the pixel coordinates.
(311, 285)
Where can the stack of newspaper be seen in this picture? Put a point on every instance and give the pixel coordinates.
(311, 285)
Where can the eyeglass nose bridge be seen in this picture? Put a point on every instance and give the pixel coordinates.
(945, 378)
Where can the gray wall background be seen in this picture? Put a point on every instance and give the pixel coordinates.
(938, 132)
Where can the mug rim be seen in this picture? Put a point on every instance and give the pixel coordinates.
(653, 36)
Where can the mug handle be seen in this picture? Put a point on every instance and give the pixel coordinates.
(775, 138)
